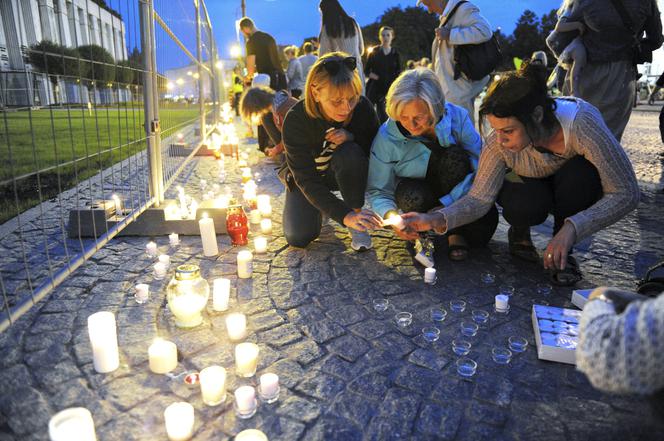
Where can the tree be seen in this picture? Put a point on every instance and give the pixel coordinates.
(54, 60)
(526, 36)
(100, 63)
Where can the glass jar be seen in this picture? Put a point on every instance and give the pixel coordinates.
(237, 225)
(187, 294)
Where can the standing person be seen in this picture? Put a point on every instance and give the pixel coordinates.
(564, 160)
(237, 88)
(608, 79)
(327, 137)
(465, 26)
(340, 33)
(294, 72)
(308, 59)
(383, 67)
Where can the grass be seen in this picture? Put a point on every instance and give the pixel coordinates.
(60, 136)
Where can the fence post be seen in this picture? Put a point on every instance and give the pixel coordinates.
(201, 97)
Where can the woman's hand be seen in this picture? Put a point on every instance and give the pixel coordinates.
(423, 222)
(363, 220)
(442, 33)
(339, 136)
(274, 151)
(555, 255)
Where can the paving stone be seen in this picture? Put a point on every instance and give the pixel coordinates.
(487, 414)
(323, 330)
(494, 390)
(292, 300)
(121, 392)
(395, 344)
(417, 379)
(348, 347)
(265, 320)
(346, 315)
(333, 428)
(37, 342)
(281, 336)
(305, 352)
(13, 378)
(373, 385)
(52, 322)
(290, 373)
(320, 385)
(26, 410)
(440, 421)
(370, 329)
(299, 408)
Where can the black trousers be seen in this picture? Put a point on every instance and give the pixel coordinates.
(573, 188)
(347, 173)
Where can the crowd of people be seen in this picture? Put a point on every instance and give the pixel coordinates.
(401, 137)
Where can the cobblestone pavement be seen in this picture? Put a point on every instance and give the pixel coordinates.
(347, 372)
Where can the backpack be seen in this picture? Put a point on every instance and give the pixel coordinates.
(281, 104)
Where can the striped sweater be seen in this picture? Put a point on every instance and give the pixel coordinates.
(585, 134)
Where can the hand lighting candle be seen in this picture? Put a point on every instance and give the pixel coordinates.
(208, 236)
(104, 341)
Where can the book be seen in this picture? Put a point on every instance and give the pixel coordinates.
(580, 297)
(556, 333)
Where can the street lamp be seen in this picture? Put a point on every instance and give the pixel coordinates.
(236, 51)
(219, 65)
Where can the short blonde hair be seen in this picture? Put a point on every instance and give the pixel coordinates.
(412, 84)
(291, 50)
(319, 77)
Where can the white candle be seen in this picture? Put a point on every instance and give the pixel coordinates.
(269, 385)
(142, 294)
(162, 356)
(183, 198)
(260, 244)
(245, 399)
(72, 424)
(208, 236)
(104, 341)
(179, 418)
(193, 208)
(187, 309)
(263, 203)
(245, 264)
(172, 212)
(117, 203)
(159, 270)
(266, 211)
(255, 217)
(213, 385)
(246, 359)
(222, 201)
(246, 174)
(165, 259)
(236, 325)
(242, 163)
(502, 302)
(266, 226)
(203, 184)
(251, 435)
(429, 275)
(249, 194)
(174, 239)
(396, 221)
(221, 290)
(151, 249)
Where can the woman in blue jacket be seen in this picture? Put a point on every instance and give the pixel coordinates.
(424, 157)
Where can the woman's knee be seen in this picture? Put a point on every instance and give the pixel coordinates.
(525, 204)
(349, 156)
(300, 239)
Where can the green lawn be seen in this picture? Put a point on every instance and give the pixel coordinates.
(38, 139)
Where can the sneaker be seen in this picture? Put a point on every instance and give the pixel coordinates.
(360, 240)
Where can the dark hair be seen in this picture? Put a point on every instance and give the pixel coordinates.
(410, 64)
(308, 47)
(246, 22)
(335, 20)
(516, 94)
(256, 101)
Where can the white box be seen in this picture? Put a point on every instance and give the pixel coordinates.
(580, 297)
(556, 333)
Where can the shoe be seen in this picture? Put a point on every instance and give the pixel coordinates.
(458, 248)
(521, 246)
(359, 240)
(569, 276)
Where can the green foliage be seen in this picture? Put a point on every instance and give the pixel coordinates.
(55, 60)
(100, 64)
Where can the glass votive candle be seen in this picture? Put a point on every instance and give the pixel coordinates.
(73, 422)
(260, 245)
(142, 293)
(517, 344)
(266, 226)
(159, 270)
(251, 435)
(438, 315)
(430, 276)
(461, 347)
(501, 355)
(245, 402)
(457, 305)
(165, 259)
(268, 389)
(174, 239)
(480, 316)
(466, 367)
(430, 334)
(236, 326)
(488, 278)
(213, 385)
(469, 329)
(246, 359)
(404, 319)
(381, 305)
(179, 418)
(507, 290)
(151, 249)
(544, 289)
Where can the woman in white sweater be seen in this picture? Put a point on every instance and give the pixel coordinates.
(340, 33)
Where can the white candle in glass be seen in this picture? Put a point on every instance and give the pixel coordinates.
(193, 208)
(246, 174)
(502, 302)
(162, 356)
(269, 384)
(183, 198)
(104, 341)
(251, 435)
(117, 204)
(159, 270)
(263, 203)
(244, 264)
(221, 290)
(72, 424)
(246, 359)
(151, 249)
(179, 418)
(260, 244)
(208, 236)
(213, 385)
(165, 259)
(429, 275)
(174, 239)
(236, 325)
(142, 294)
(255, 217)
(266, 226)
(245, 399)
(242, 163)
(222, 201)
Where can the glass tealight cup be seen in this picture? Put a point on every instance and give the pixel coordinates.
(404, 319)
(501, 355)
(544, 289)
(430, 334)
(507, 290)
(457, 305)
(438, 315)
(466, 367)
(517, 344)
(381, 305)
(480, 316)
(461, 347)
(488, 278)
(469, 329)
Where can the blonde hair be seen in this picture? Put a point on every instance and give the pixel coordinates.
(319, 78)
(291, 49)
(419, 83)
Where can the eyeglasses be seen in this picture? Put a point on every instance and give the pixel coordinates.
(333, 65)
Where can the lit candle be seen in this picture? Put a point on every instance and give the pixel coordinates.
(165, 259)
(266, 226)
(269, 387)
(208, 236)
(236, 326)
(163, 356)
(179, 418)
(260, 244)
(117, 203)
(251, 435)
(396, 221)
(222, 201)
(183, 198)
(213, 385)
(203, 184)
(242, 163)
(72, 424)
(142, 293)
(502, 303)
(255, 217)
(245, 401)
(267, 211)
(172, 212)
(263, 203)
(246, 359)
(221, 290)
(246, 174)
(244, 264)
(193, 208)
(174, 239)
(159, 270)
(104, 341)
(151, 249)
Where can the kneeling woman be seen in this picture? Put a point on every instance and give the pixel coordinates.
(425, 156)
(564, 161)
(327, 138)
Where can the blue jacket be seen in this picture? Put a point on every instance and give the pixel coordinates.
(394, 156)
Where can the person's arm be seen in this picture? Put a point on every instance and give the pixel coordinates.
(360, 40)
(251, 60)
(653, 29)
(570, 26)
(622, 353)
(382, 180)
(290, 71)
(473, 28)
(267, 121)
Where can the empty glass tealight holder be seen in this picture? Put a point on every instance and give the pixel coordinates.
(488, 278)
(466, 367)
(457, 305)
(507, 290)
(501, 355)
(430, 334)
(404, 319)
(438, 315)
(480, 316)
(517, 344)
(469, 329)
(461, 347)
(544, 289)
(381, 305)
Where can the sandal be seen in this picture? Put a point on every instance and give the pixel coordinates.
(569, 276)
(522, 248)
(458, 248)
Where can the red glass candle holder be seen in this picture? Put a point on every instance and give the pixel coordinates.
(237, 225)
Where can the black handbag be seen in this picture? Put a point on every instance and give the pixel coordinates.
(641, 52)
(475, 61)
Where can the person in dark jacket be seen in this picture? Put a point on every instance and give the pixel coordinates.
(382, 68)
